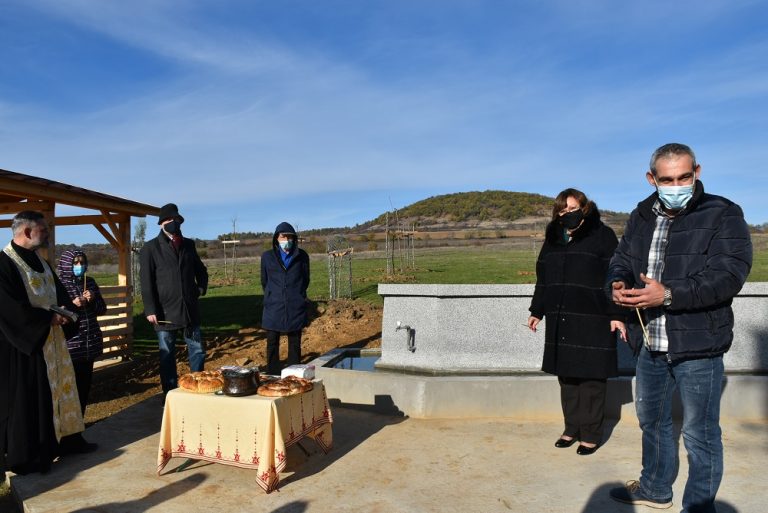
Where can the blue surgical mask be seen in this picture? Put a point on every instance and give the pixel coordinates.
(78, 270)
(675, 197)
(286, 245)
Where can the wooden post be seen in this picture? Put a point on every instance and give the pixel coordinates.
(124, 251)
(48, 210)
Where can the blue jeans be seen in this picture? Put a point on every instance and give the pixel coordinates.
(700, 383)
(167, 341)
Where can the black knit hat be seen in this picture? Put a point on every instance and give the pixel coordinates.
(169, 211)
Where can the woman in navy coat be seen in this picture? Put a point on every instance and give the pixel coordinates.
(284, 278)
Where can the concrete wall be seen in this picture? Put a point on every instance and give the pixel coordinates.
(528, 397)
(480, 329)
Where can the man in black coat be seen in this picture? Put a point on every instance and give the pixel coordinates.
(284, 278)
(172, 279)
(684, 255)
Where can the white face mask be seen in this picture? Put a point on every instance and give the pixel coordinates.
(675, 197)
(286, 245)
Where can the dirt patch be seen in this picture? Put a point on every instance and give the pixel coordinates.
(334, 324)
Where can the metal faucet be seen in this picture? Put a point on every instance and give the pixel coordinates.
(411, 340)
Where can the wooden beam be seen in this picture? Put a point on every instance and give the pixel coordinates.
(79, 220)
(11, 207)
(4, 198)
(48, 252)
(119, 310)
(107, 236)
(113, 290)
(124, 254)
(15, 208)
(111, 222)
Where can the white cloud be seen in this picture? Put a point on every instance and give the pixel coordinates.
(242, 116)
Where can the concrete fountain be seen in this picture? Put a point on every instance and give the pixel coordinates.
(454, 351)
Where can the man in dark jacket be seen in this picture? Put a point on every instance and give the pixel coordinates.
(684, 255)
(172, 279)
(284, 278)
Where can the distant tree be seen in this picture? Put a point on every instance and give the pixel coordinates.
(139, 233)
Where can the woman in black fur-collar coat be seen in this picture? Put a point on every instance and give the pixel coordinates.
(580, 339)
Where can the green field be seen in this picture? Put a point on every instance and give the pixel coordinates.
(228, 307)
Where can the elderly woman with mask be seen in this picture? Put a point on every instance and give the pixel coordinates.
(88, 343)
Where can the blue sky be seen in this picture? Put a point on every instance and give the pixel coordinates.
(329, 113)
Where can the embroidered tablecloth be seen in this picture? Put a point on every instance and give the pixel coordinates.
(249, 432)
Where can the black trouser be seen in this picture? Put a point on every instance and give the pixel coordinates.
(83, 376)
(583, 402)
(273, 350)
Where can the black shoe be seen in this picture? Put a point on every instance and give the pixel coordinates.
(76, 444)
(562, 443)
(631, 493)
(87, 447)
(583, 450)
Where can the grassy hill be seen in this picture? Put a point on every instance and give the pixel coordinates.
(463, 207)
(473, 210)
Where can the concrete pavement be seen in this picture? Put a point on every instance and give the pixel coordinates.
(384, 464)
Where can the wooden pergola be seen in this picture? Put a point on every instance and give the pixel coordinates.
(111, 216)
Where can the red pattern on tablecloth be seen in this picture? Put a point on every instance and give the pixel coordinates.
(276, 417)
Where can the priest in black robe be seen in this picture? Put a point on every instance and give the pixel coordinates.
(28, 441)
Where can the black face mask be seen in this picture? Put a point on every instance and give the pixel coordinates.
(174, 228)
(571, 220)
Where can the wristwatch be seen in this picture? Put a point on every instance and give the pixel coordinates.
(667, 297)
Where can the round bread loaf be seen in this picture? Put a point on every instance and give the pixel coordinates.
(290, 385)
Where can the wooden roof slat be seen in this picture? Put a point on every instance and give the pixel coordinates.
(14, 184)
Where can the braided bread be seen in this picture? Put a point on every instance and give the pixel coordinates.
(290, 385)
(202, 382)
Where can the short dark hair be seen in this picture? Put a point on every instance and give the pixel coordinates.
(561, 201)
(26, 218)
(669, 150)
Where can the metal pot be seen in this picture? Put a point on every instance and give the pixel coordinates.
(240, 380)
